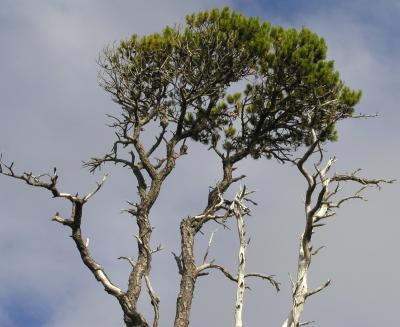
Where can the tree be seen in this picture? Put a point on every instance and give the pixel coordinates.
(319, 205)
(178, 86)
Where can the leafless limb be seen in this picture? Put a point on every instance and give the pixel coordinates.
(130, 260)
(157, 249)
(178, 263)
(49, 182)
(318, 289)
(155, 301)
(319, 204)
(208, 246)
(315, 252)
(269, 278)
(239, 210)
(99, 185)
(191, 225)
(211, 265)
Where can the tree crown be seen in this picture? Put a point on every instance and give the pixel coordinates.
(183, 78)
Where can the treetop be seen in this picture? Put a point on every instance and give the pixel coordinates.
(184, 78)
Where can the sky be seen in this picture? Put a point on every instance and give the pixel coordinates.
(53, 113)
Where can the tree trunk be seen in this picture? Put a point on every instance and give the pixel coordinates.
(189, 275)
(132, 317)
(300, 287)
(134, 320)
(241, 270)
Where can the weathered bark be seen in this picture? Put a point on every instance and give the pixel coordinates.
(241, 269)
(190, 226)
(141, 268)
(143, 261)
(300, 288)
(189, 275)
(134, 319)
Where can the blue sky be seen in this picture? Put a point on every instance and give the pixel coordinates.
(53, 114)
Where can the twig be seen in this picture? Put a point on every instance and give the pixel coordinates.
(209, 245)
(99, 185)
(130, 260)
(319, 289)
(178, 262)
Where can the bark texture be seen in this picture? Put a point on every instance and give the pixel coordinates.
(189, 275)
(190, 226)
(239, 210)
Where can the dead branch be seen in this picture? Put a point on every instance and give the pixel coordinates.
(239, 209)
(319, 289)
(130, 260)
(178, 262)
(155, 301)
(208, 246)
(319, 204)
(49, 182)
(211, 265)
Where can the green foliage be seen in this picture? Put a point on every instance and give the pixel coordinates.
(230, 132)
(183, 75)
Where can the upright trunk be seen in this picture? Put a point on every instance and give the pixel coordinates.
(241, 271)
(189, 227)
(142, 266)
(300, 288)
(132, 317)
(189, 275)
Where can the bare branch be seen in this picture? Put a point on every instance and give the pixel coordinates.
(157, 249)
(155, 301)
(315, 252)
(33, 180)
(59, 219)
(74, 222)
(159, 139)
(239, 178)
(364, 181)
(209, 245)
(319, 289)
(130, 260)
(178, 262)
(269, 278)
(211, 265)
(99, 185)
(337, 205)
(322, 208)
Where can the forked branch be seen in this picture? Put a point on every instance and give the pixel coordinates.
(49, 182)
(319, 204)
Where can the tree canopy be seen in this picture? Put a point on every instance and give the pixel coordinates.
(183, 78)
